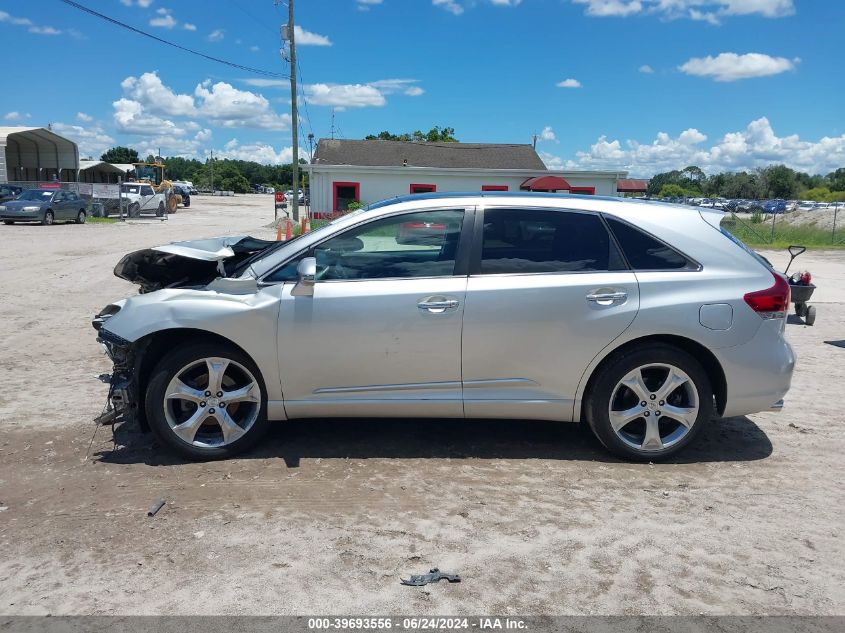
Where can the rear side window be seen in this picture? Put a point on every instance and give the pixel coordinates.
(645, 252)
(544, 241)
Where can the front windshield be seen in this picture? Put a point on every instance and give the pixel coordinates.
(36, 194)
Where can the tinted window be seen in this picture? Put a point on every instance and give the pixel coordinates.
(645, 252)
(531, 241)
(422, 244)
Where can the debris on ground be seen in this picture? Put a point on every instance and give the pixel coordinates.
(434, 575)
(158, 505)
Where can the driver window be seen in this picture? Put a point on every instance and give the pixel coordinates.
(421, 244)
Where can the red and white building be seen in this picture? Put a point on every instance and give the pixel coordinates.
(368, 171)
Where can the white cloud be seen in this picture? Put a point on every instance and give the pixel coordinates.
(189, 27)
(449, 5)
(216, 35)
(91, 139)
(569, 83)
(131, 118)
(85, 118)
(44, 30)
(164, 20)
(548, 134)
(345, 95)
(16, 116)
(307, 38)
(755, 146)
(141, 3)
(364, 5)
(31, 26)
(254, 48)
(731, 67)
(149, 90)
(706, 10)
(259, 152)
(229, 107)
(414, 91)
(646, 69)
(506, 3)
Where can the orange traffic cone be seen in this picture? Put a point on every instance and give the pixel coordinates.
(288, 231)
(279, 232)
(307, 223)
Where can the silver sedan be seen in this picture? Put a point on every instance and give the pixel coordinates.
(644, 320)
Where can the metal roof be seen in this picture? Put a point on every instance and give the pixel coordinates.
(379, 153)
(104, 166)
(34, 147)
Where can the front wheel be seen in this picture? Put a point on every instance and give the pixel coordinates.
(647, 404)
(207, 401)
(80, 218)
(134, 210)
(48, 218)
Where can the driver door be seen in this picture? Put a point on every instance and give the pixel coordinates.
(381, 334)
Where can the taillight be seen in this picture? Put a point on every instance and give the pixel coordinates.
(771, 303)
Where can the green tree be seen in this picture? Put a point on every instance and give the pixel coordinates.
(672, 191)
(780, 181)
(120, 154)
(436, 134)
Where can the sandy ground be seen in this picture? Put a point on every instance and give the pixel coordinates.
(324, 518)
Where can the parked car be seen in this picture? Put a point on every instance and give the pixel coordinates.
(138, 197)
(806, 205)
(774, 206)
(9, 192)
(45, 206)
(645, 320)
(185, 192)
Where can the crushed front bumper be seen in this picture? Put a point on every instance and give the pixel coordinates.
(121, 405)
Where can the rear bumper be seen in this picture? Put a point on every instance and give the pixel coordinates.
(758, 373)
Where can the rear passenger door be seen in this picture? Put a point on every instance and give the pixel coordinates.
(548, 289)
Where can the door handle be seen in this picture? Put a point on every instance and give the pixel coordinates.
(437, 305)
(606, 298)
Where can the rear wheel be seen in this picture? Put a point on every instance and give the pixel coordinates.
(160, 210)
(647, 404)
(80, 218)
(48, 218)
(134, 210)
(8, 222)
(207, 401)
(172, 204)
(810, 315)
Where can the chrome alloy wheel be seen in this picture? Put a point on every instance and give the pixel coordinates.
(653, 407)
(212, 402)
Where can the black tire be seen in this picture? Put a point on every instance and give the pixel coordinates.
(8, 222)
(80, 218)
(597, 402)
(48, 218)
(810, 315)
(800, 308)
(134, 210)
(160, 210)
(164, 372)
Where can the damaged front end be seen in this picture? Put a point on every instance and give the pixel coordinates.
(122, 400)
(190, 264)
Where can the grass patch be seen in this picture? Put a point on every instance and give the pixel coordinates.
(101, 220)
(760, 235)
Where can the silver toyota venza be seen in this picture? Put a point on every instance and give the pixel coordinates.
(644, 320)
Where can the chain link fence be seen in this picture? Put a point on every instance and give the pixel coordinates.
(817, 227)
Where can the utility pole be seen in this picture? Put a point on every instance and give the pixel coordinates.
(212, 172)
(294, 119)
(535, 141)
(332, 123)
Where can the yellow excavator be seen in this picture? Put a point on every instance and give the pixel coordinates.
(153, 174)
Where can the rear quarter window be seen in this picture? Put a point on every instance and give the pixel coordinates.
(645, 252)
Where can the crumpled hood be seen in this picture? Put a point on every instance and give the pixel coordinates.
(189, 263)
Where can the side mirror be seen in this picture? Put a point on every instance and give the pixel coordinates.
(307, 271)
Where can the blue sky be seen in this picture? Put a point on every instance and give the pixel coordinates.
(643, 85)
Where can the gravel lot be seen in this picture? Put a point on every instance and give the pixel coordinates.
(324, 518)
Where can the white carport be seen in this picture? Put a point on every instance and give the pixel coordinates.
(97, 171)
(36, 153)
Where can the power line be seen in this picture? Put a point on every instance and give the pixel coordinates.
(249, 69)
(263, 23)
